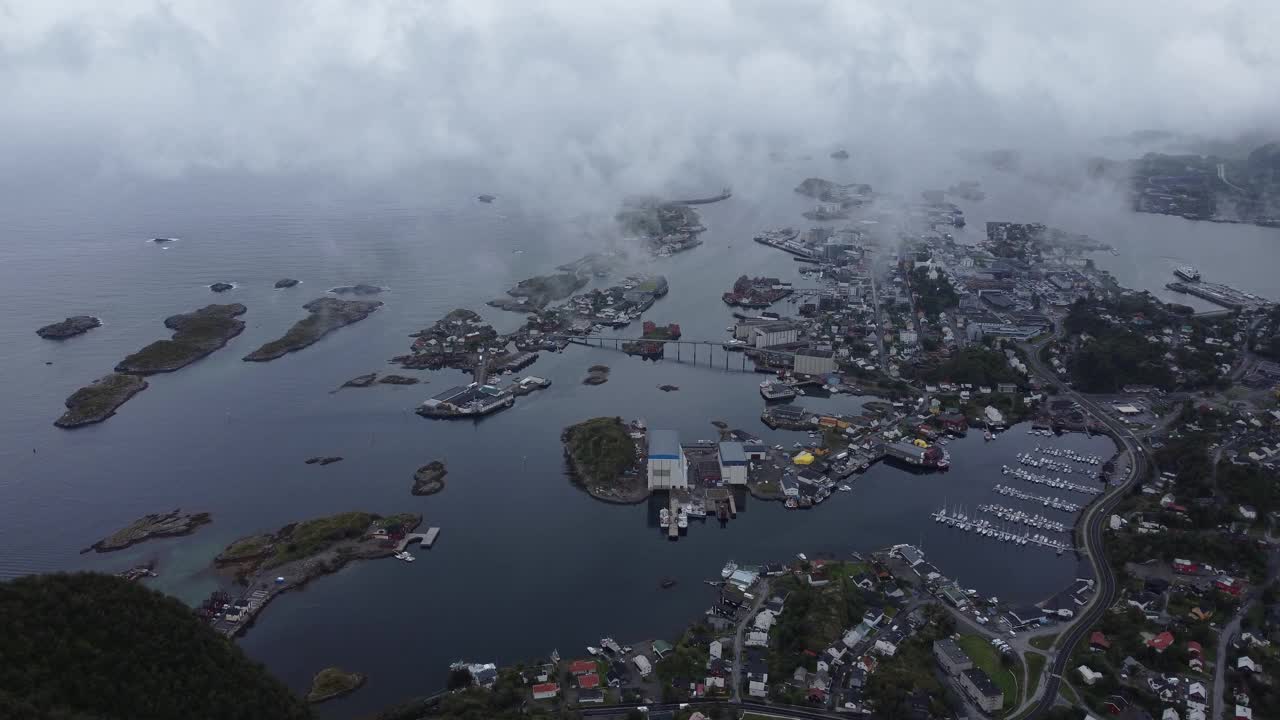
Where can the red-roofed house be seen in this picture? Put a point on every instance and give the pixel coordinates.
(1184, 567)
(1161, 642)
(582, 667)
(1229, 585)
(545, 691)
(1194, 648)
(1116, 704)
(1098, 641)
(588, 681)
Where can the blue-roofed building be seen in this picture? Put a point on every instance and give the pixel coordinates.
(668, 467)
(733, 463)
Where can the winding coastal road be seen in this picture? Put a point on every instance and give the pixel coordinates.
(1139, 468)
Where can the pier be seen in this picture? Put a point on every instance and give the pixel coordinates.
(1218, 294)
(427, 539)
(985, 528)
(1058, 483)
(1046, 500)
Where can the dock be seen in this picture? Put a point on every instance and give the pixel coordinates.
(427, 539)
(673, 530)
(1218, 294)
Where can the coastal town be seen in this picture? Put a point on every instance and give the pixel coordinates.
(1174, 609)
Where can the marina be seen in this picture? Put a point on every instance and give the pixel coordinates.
(985, 528)
(1045, 500)
(1008, 514)
(1053, 482)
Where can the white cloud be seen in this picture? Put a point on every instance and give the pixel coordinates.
(625, 94)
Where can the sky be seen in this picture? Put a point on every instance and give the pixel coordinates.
(627, 94)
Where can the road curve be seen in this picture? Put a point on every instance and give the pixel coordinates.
(1139, 468)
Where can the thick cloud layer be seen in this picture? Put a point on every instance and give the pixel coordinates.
(624, 94)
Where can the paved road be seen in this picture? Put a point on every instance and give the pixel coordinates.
(786, 711)
(761, 594)
(1091, 528)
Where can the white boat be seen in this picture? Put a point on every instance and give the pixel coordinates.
(682, 519)
(845, 488)
(729, 568)
(801, 557)
(664, 518)
(404, 556)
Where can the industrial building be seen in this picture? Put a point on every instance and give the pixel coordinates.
(733, 463)
(774, 333)
(668, 467)
(814, 362)
(912, 454)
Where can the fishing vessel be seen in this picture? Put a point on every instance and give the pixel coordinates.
(770, 390)
(664, 518)
(729, 568)
(1188, 273)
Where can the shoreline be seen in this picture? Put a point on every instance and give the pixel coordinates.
(191, 523)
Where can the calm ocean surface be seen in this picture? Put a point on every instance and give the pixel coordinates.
(525, 562)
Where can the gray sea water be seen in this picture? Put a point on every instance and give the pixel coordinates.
(525, 561)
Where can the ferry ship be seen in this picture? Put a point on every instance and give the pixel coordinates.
(1188, 273)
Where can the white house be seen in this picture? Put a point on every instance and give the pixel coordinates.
(1088, 675)
(755, 688)
(764, 621)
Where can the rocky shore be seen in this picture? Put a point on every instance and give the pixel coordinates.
(220, 287)
(596, 375)
(151, 526)
(327, 314)
(72, 326)
(323, 460)
(333, 682)
(361, 381)
(99, 400)
(429, 479)
(300, 552)
(360, 289)
(195, 335)
(398, 380)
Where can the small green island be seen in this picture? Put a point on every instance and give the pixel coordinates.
(333, 682)
(537, 292)
(195, 335)
(99, 400)
(155, 525)
(270, 563)
(604, 460)
(72, 326)
(429, 479)
(327, 314)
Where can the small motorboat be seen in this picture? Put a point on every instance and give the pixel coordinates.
(668, 583)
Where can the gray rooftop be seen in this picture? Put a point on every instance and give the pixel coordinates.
(664, 444)
(949, 649)
(732, 452)
(982, 681)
